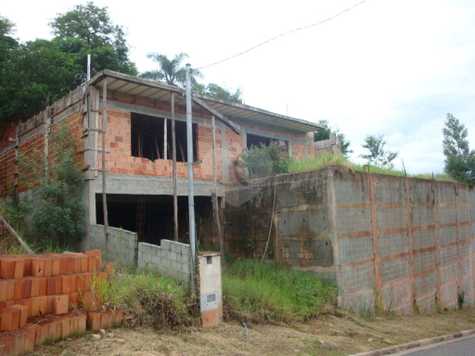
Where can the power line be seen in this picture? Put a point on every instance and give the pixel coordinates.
(285, 33)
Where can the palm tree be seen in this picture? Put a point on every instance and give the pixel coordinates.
(171, 70)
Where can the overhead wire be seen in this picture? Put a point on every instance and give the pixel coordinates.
(283, 34)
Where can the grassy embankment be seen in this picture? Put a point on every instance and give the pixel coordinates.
(252, 291)
(330, 159)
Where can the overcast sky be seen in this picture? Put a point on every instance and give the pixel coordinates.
(392, 67)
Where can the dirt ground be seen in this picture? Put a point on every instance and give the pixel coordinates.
(329, 335)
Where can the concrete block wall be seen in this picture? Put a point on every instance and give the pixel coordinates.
(402, 244)
(171, 259)
(300, 234)
(394, 243)
(121, 247)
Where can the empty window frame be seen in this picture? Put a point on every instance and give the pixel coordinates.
(151, 139)
(257, 140)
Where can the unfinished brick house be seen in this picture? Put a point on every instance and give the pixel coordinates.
(138, 146)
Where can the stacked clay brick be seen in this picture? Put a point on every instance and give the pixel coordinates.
(49, 297)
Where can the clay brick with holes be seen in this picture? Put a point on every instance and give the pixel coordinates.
(60, 304)
(94, 321)
(54, 285)
(11, 267)
(68, 284)
(7, 289)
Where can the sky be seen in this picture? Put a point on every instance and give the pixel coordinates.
(388, 67)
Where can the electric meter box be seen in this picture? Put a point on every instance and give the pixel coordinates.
(211, 293)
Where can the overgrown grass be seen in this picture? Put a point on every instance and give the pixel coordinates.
(318, 162)
(267, 291)
(148, 297)
(334, 159)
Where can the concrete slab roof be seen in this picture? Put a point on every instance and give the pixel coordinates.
(226, 111)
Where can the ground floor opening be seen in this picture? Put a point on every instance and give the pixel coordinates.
(151, 217)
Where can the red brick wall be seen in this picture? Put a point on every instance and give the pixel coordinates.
(31, 156)
(298, 151)
(7, 172)
(121, 161)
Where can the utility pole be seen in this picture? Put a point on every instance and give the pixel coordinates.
(191, 200)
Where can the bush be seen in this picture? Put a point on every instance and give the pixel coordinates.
(148, 297)
(58, 211)
(262, 161)
(268, 291)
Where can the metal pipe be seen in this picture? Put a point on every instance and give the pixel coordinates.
(88, 67)
(175, 199)
(191, 203)
(215, 195)
(104, 189)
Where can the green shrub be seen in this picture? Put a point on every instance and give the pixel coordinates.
(149, 297)
(262, 161)
(57, 209)
(267, 291)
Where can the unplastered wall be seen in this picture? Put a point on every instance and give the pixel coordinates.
(28, 146)
(120, 160)
(390, 243)
(118, 141)
(299, 235)
(170, 258)
(120, 248)
(402, 244)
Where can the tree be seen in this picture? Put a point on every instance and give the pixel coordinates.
(6, 41)
(7, 48)
(173, 71)
(262, 161)
(459, 160)
(37, 73)
(325, 132)
(216, 91)
(377, 155)
(88, 29)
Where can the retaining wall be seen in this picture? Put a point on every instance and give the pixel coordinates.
(170, 259)
(396, 243)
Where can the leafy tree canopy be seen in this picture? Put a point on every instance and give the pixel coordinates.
(216, 91)
(6, 41)
(32, 75)
(459, 159)
(377, 154)
(88, 29)
(326, 131)
(172, 71)
(36, 73)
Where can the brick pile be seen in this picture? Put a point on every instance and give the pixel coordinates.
(50, 297)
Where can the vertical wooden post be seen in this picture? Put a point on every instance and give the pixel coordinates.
(175, 198)
(215, 195)
(46, 143)
(104, 191)
(16, 174)
(165, 138)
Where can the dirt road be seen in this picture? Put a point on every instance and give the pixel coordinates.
(329, 335)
